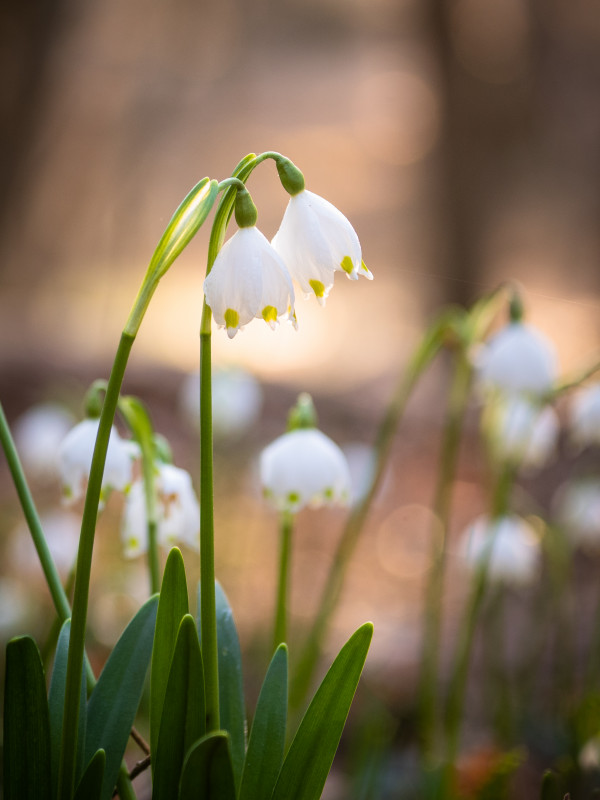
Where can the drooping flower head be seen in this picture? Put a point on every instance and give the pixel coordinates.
(248, 278)
(584, 417)
(38, 434)
(315, 239)
(177, 510)
(303, 467)
(507, 547)
(518, 360)
(576, 507)
(523, 433)
(75, 459)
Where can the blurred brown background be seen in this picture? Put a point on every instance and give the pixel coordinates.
(460, 137)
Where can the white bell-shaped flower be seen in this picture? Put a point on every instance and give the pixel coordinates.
(576, 507)
(248, 279)
(315, 240)
(75, 459)
(524, 433)
(518, 360)
(507, 547)
(38, 434)
(304, 467)
(178, 512)
(584, 417)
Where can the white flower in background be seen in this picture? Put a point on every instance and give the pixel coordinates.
(38, 433)
(61, 531)
(315, 240)
(75, 459)
(236, 401)
(248, 280)
(576, 507)
(508, 545)
(304, 467)
(518, 360)
(178, 512)
(524, 433)
(584, 416)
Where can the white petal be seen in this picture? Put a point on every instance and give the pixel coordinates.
(518, 359)
(248, 276)
(304, 467)
(584, 417)
(134, 522)
(507, 547)
(524, 433)
(38, 434)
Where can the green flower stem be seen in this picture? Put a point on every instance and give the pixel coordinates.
(66, 775)
(451, 437)
(285, 545)
(420, 360)
(499, 689)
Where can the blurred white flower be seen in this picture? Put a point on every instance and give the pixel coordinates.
(38, 433)
(315, 240)
(584, 417)
(523, 433)
(236, 401)
(178, 512)
(75, 459)
(576, 506)
(61, 531)
(518, 359)
(508, 546)
(589, 755)
(304, 467)
(248, 280)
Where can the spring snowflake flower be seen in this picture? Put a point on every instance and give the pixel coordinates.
(524, 433)
(518, 360)
(584, 418)
(248, 279)
(304, 467)
(178, 512)
(508, 546)
(38, 434)
(75, 459)
(315, 240)
(576, 506)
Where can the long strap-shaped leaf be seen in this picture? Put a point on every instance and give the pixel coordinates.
(90, 785)
(231, 688)
(267, 737)
(26, 724)
(207, 772)
(113, 704)
(172, 607)
(183, 719)
(311, 753)
(232, 707)
(56, 702)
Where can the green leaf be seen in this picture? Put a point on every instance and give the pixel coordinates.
(232, 708)
(114, 701)
(267, 737)
(207, 771)
(183, 719)
(56, 702)
(26, 724)
(172, 607)
(311, 753)
(90, 785)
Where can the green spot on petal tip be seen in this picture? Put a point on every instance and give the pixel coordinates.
(317, 287)
(347, 265)
(232, 318)
(269, 314)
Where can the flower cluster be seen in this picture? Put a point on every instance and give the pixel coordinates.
(178, 512)
(252, 278)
